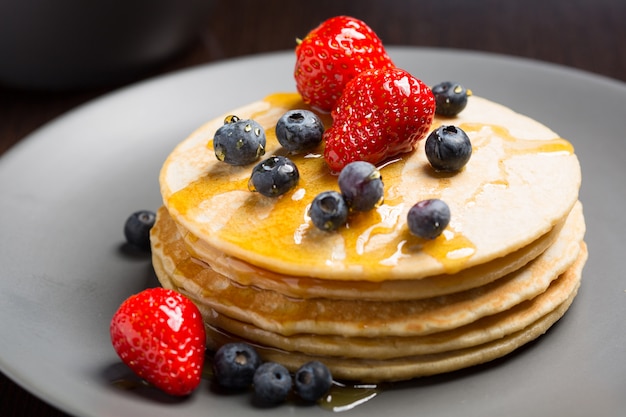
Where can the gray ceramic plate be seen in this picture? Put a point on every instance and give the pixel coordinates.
(67, 189)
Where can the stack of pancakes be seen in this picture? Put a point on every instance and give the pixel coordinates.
(372, 301)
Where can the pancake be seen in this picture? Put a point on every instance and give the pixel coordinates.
(479, 332)
(370, 300)
(284, 315)
(522, 177)
(501, 335)
(366, 370)
(247, 274)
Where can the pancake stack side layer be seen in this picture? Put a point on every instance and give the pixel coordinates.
(372, 301)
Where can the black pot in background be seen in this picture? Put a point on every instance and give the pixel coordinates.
(67, 44)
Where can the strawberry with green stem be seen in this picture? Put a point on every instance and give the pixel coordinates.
(331, 55)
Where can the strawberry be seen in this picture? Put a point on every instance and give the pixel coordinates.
(331, 55)
(160, 335)
(381, 113)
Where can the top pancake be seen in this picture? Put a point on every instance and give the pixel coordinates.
(521, 181)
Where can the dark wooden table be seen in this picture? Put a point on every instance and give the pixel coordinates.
(586, 34)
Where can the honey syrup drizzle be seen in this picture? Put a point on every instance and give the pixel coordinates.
(516, 146)
(345, 397)
(373, 238)
(512, 146)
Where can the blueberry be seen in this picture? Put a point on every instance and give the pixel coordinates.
(234, 365)
(299, 130)
(450, 98)
(239, 142)
(312, 380)
(137, 228)
(448, 148)
(274, 176)
(272, 383)
(428, 218)
(328, 211)
(361, 185)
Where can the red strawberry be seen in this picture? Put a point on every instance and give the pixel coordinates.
(160, 335)
(381, 113)
(331, 55)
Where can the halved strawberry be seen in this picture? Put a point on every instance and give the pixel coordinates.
(331, 55)
(381, 113)
(160, 335)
